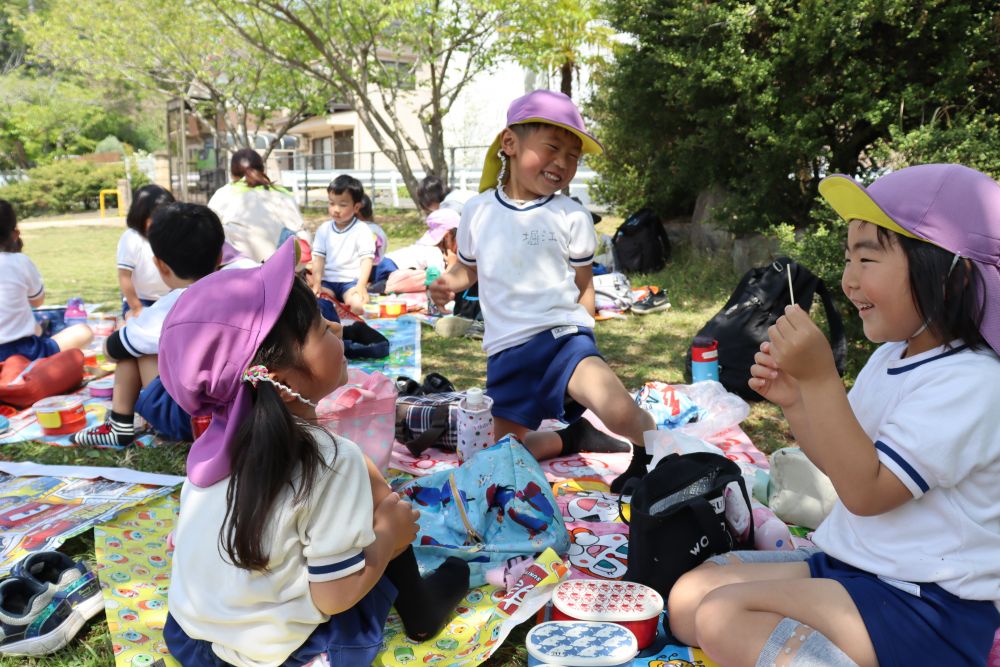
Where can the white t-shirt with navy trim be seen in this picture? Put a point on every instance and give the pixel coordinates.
(19, 281)
(136, 255)
(343, 249)
(141, 334)
(935, 420)
(526, 257)
(259, 618)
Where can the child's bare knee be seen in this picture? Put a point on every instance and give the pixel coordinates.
(714, 618)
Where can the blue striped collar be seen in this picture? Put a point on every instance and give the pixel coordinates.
(924, 358)
(509, 203)
(333, 223)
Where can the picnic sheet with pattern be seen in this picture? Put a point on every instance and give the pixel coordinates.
(24, 425)
(404, 348)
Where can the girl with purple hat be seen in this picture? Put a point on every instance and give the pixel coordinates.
(289, 544)
(532, 251)
(907, 570)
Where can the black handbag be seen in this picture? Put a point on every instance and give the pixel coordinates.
(677, 517)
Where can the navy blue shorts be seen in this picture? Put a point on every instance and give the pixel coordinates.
(349, 639)
(528, 382)
(32, 347)
(146, 303)
(929, 626)
(163, 413)
(339, 288)
(383, 269)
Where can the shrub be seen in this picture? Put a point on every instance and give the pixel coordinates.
(65, 186)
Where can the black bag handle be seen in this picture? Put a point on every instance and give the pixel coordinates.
(438, 427)
(838, 341)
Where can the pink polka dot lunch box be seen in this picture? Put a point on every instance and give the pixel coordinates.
(580, 644)
(633, 606)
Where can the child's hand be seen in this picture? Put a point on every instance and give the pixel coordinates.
(398, 519)
(441, 293)
(799, 348)
(770, 382)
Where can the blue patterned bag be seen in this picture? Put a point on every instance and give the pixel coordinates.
(495, 506)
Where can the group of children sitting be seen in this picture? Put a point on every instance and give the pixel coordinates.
(290, 545)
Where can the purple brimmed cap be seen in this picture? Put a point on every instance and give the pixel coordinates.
(439, 223)
(208, 340)
(951, 206)
(539, 106)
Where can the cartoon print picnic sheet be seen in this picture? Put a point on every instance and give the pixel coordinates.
(43, 506)
(133, 564)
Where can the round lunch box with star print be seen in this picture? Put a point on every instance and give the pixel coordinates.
(580, 644)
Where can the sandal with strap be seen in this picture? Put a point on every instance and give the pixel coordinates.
(435, 383)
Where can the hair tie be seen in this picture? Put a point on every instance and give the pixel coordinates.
(259, 373)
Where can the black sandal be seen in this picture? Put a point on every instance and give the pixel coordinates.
(407, 386)
(435, 383)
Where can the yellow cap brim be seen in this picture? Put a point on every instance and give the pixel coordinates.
(491, 165)
(852, 202)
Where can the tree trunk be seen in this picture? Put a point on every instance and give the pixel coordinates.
(566, 78)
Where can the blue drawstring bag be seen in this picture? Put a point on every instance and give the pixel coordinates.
(495, 506)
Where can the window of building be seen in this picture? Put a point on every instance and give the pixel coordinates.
(343, 149)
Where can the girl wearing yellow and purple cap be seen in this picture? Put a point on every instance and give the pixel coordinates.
(532, 250)
(907, 569)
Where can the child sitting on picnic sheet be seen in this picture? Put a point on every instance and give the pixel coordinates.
(138, 277)
(435, 249)
(21, 289)
(187, 245)
(289, 543)
(531, 250)
(907, 571)
(344, 247)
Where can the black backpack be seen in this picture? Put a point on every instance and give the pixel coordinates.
(757, 303)
(640, 244)
(677, 518)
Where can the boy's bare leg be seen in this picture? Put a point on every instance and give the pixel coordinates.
(354, 301)
(541, 444)
(77, 336)
(149, 368)
(128, 383)
(596, 387)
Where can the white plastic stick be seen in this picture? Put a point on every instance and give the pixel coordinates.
(791, 295)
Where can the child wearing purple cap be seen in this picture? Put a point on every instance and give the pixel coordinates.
(289, 544)
(532, 251)
(908, 566)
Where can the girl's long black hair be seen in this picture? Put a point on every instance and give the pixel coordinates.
(946, 297)
(8, 222)
(272, 451)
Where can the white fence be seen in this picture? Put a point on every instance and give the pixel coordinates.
(387, 188)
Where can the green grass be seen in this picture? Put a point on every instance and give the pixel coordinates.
(80, 261)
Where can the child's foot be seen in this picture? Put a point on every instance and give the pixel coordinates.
(637, 469)
(118, 431)
(582, 436)
(425, 605)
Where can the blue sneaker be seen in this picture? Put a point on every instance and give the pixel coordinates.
(46, 602)
(74, 581)
(33, 621)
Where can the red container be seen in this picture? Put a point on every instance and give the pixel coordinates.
(200, 424)
(628, 604)
(60, 415)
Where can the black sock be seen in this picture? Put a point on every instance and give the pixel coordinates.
(426, 604)
(123, 427)
(636, 469)
(582, 436)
